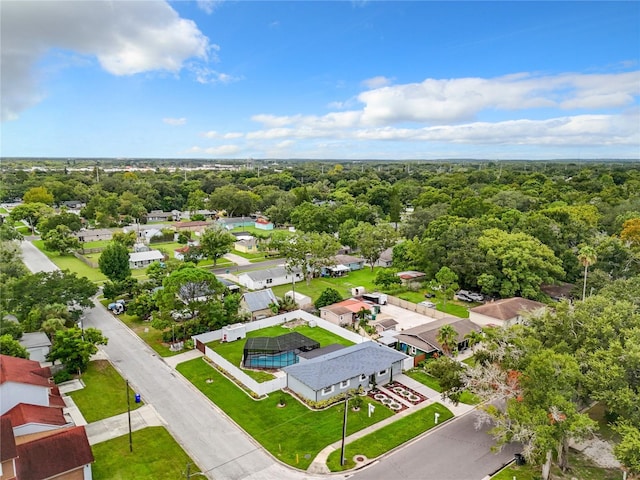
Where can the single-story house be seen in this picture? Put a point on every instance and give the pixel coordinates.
(505, 312)
(354, 263)
(335, 271)
(159, 216)
(386, 258)
(411, 276)
(144, 259)
(195, 226)
(228, 285)
(179, 253)
(269, 277)
(558, 292)
(246, 244)
(422, 340)
(384, 324)
(343, 313)
(235, 222)
(94, 235)
(327, 376)
(263, 224)
(37, 345)
(259, 303)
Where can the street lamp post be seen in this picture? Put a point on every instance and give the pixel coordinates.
(129, 417)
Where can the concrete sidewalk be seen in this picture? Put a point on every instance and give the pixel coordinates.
(116, 426)
(182, 357)
(237, 259)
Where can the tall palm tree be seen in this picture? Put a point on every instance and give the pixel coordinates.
(587, 257)
(448, 339)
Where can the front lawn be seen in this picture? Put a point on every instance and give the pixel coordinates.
(71, 263)
(151, 336)
(156, 456)
(389, 437)
(104, 394)
(294, 434)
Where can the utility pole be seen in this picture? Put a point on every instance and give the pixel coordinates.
(344, 428)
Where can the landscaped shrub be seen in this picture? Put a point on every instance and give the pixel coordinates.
(62, 376)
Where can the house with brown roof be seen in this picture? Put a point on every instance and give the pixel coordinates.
(27, 419)
(505, 312)
(422, 341)
(24, 381)
(343, 313)
(8, 450)
(63, 454)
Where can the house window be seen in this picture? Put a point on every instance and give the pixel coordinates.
(382, 372)
(269, 280)
(344, 384)
(327, 391)
(363, 377)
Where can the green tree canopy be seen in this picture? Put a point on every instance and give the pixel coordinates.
(74, 347)
(215, 243)
(10, 346)
(114, 262)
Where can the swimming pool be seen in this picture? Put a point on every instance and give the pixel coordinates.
(276, 360)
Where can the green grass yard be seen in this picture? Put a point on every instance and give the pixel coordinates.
(156, 456)
(105, 393)
(389, 437)
(294, 434)
(580, 467)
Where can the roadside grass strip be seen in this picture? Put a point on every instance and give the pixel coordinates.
(156, 456)
(389, 437)
(104, 394)
(294, 434)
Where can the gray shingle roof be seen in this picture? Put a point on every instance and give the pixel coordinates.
(275, 272)
(362, 359)
(259, 300)
(35, 339)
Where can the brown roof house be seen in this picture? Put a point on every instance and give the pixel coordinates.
(422, 341)
(505, 312)
(343, 313)
(63, 454)
(37, 440)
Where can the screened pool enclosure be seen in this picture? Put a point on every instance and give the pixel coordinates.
(276, 352)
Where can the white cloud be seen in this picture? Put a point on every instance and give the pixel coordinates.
(208, 6)
(376, 82)
(175, 121)
(226, 136)
(436, 101)
(126, 38)
(206, 75)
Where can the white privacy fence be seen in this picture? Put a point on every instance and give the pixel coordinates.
(264, 388)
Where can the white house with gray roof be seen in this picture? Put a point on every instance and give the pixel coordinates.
(258, 304)
(324, 377)
(144, 259)
(270, 277)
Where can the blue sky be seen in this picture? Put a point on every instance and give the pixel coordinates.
(352, 80)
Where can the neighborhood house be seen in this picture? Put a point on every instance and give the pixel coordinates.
(258, 304)
(144, 259)
(335, 373)
(504, 313)
(270, 277)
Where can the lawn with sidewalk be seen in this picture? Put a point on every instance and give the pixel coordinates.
(104, 394)
(156, 456)
(293, 434)
(387, 438)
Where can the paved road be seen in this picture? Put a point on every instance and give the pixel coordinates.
(35, 260)
(455, 451)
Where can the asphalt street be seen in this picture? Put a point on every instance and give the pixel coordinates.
(455, 451)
